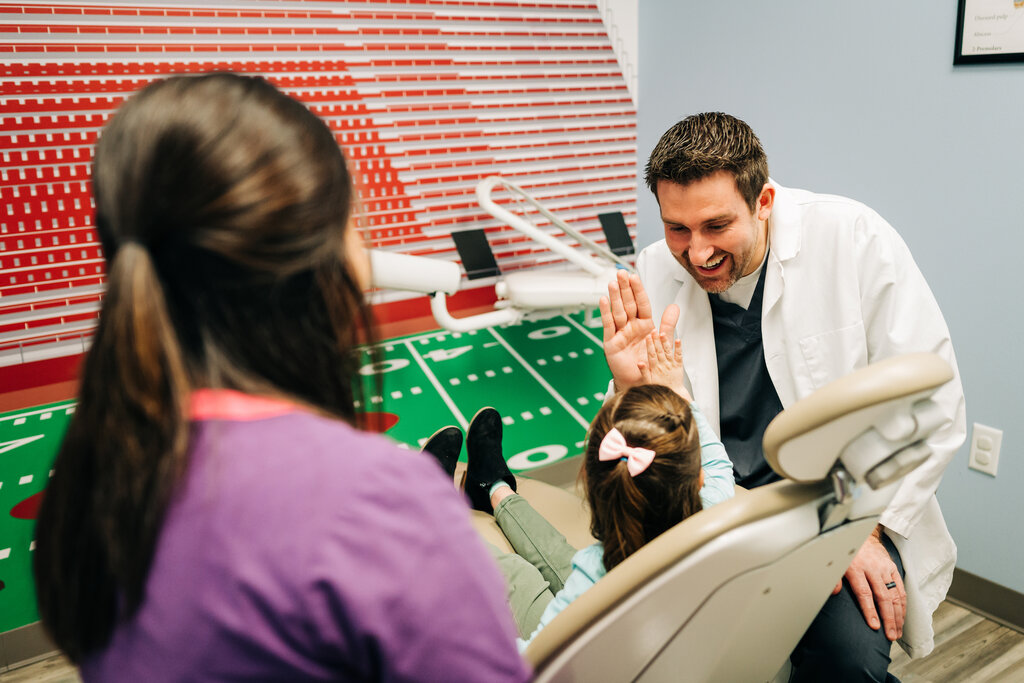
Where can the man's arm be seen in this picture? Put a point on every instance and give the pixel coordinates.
(900, 316)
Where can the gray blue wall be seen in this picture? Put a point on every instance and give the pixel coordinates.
(861, 99)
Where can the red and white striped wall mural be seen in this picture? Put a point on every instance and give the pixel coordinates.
(425, 96)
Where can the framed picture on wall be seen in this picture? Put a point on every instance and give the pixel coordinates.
(989, 31)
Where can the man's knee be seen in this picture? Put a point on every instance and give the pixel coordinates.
(840, 646)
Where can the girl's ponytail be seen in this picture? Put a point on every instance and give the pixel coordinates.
(122, 456)
(622, 533)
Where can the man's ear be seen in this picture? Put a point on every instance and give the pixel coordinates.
(765, 202)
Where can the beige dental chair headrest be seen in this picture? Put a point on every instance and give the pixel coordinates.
(804, 441)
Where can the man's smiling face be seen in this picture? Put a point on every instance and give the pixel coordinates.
(711, 231)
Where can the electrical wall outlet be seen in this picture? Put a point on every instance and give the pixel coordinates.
(985, 443)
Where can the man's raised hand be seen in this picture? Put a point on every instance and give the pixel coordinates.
(627, 320)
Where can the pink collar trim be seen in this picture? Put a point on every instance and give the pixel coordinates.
(227, 404)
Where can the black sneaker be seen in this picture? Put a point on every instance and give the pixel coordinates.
(485, 462)
(445, 445)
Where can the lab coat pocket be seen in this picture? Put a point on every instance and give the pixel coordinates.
(830, 355)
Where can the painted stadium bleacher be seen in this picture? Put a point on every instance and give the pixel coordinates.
(425, 96)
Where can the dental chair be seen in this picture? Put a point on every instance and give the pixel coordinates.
(727, 594)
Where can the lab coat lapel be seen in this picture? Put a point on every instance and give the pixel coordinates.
(784, 243)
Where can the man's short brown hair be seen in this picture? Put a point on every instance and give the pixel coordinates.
(702, 144)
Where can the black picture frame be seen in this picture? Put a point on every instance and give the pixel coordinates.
(995, 56)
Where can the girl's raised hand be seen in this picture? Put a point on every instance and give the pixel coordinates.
(665, 363)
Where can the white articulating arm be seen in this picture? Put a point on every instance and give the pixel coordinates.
(483, 195)
(437, 278)
(503, 316)
(391, 270)
(519, 293)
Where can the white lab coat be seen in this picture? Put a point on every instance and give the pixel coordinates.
(842, 291)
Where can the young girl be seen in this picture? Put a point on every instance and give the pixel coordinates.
(651, 461)
(213, 515)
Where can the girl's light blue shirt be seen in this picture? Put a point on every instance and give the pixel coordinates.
(588, 564)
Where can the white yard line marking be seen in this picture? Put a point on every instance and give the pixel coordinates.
(463, 422)
(585, 331)
(424, 338)
(543, 382)
(11, 445)
(20, 417)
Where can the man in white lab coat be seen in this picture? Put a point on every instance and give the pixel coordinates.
(774, 293)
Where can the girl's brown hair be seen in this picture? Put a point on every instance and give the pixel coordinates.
(627, 511)
(222, 207)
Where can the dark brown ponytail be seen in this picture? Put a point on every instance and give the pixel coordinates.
(133, 390)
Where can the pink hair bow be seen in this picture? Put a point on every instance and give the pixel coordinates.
(613, 447)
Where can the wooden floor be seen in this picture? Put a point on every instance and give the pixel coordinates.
(968, 649)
